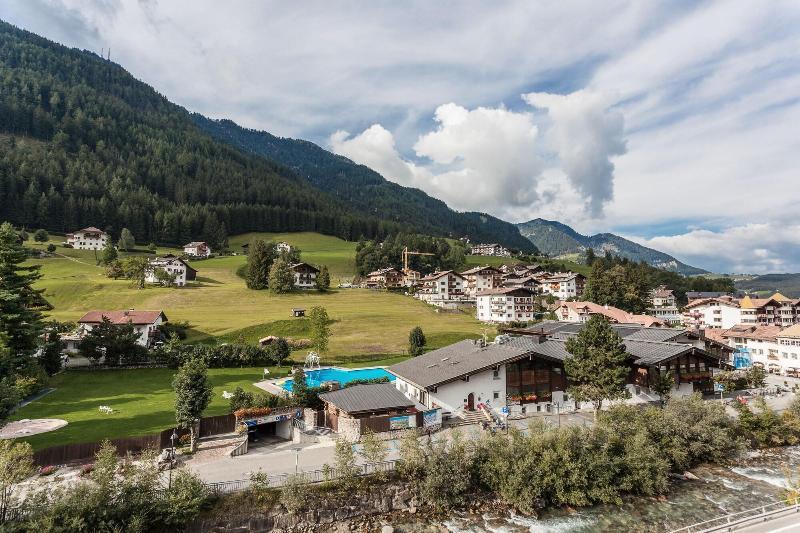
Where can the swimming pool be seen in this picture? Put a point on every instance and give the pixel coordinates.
(343, 375)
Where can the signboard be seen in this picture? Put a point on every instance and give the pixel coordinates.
(399, 422)
(719, 387)
(504, 410)
(432, 418)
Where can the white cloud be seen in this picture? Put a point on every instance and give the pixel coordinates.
(751, 248)
(708, 93)
(493, 159)
(586, 134)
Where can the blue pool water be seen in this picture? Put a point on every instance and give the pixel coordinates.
(343, 375)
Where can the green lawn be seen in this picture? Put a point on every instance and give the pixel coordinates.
(142, 400)
(220, 308)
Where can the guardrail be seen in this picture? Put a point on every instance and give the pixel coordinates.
(731, 521)
(307, 477)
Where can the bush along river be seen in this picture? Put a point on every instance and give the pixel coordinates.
(759, 477)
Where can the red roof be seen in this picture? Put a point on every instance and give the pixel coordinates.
(122, 317)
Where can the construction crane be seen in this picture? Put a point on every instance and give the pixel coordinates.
(406, 253)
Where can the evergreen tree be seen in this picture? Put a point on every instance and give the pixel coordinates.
(41, 236)
(109, 253)
(320, 328)
(416, 341)
(193, 392)
(51, 352)
(323, 280)
(661, 384)
(281, 277)
(597, 365)
(260, 257)
(20, 321)
(126, 240)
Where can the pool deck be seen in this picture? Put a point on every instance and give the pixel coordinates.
(274, 385)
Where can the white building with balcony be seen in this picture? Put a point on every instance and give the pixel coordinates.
(443, 289)
(505, 305)
(89, 238)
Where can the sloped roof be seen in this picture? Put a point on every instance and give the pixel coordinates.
(778, 297)
(453, 361)
(122, 317)
(439, 274)
(477, 269)
(615, 314)
(301, 263)
(791, 331)
(506, 290)
(367, 397)
(90, 229)
(704, 301)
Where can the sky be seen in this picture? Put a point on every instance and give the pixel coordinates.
(675, 124)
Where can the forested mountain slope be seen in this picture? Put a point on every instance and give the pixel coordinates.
(365, 190)
(555, 238)
(84, 143)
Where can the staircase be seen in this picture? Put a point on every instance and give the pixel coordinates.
(472, 417)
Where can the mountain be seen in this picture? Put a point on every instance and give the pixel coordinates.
(555, 239)
(84, 143)
(363, 189)
(786, 284)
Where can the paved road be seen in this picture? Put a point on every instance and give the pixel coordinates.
(786, 524)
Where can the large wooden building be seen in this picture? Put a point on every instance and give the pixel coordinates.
(524, 371)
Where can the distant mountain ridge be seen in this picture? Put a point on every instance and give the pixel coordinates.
(363, 189)
(786, 284)
(555, 239)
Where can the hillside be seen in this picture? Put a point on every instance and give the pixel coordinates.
(363, 189)
(84, 143)
(557, 239)
(786, 284)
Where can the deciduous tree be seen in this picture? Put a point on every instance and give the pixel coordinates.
(320, 328)
(126, 240)
(193, 392)
(16, 464)
(281, 277)
(109, 253)
(41, 236)
(118, 343)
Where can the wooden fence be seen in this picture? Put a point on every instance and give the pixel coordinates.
(66, 453)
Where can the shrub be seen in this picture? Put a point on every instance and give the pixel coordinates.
(252, 412)
(41, 235)
(51, 248)
(294, 493)
(299, 344)
(763, 427)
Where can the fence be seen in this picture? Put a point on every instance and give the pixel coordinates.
(733, 521)
(65, 453)
(306, 477)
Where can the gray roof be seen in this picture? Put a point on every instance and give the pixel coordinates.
(367, 397)
(646, 346)
(460, 359)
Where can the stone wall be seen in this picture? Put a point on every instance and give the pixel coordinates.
(349, 429)
(320, 515)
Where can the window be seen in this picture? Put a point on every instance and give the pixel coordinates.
(496, 395)
(496, 373)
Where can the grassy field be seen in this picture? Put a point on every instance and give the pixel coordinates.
(142, 399)
(220, 307)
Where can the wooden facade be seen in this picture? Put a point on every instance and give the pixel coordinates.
(534, 380)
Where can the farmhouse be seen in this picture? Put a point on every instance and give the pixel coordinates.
(385, 278)
(582, 311)
(525, 371)
(490, 249)
(197, 249)
(89, 238)
(145, 323)
(481, 279)
(305, 275)
(510, 304)
(172, 265)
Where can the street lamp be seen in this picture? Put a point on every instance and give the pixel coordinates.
(296, 459)
(172, 454)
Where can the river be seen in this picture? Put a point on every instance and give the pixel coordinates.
(755, 479)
